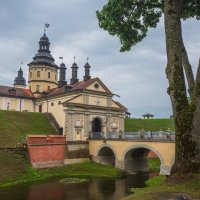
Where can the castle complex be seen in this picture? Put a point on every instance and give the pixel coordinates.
(78, 108)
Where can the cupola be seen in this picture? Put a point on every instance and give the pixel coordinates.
(87, 71)
(62, 75)
(74, 78)
(20, 81)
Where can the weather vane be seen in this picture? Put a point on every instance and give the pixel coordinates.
(21, 64)
(87, 59)
(46, 25)
(61, 58)
(74, 59)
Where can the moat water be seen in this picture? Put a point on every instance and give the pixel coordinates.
(93, 189)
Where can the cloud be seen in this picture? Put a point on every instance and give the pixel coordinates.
(138, 76)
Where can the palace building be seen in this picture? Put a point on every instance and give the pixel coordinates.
(76, 109)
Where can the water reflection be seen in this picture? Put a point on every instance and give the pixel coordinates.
(94, 189)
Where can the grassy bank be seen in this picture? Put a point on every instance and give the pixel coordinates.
(15, 169)
(132, 124)
(14, 126)
(161, 188)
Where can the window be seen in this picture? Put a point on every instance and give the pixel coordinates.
(30, 74)
(38, 73)
(55, 77)
(48, 87)
(59, 102)
(49, 75)
(37, 88)
(52, 104)
(96, 85)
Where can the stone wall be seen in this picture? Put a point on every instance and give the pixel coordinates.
(77, 149)
(46, 151)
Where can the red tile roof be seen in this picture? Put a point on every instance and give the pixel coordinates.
(77, 86)
(15, 92)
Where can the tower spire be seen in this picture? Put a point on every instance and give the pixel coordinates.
(20, 81)
(74, 78)
(62, 74)
(87, 71)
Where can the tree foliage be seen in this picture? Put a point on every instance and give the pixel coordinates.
(130, 20)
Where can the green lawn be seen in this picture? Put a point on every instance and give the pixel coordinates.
(160, 188)
(132, 124)
(14, 126)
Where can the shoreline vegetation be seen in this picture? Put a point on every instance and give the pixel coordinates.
(15, 169)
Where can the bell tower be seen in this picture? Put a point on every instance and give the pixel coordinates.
(43, 71)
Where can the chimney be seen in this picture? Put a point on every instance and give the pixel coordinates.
(74, 78)
(62, 76)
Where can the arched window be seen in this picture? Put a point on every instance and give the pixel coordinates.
(49, 75)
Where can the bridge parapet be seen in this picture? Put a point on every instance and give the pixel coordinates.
(134, 135)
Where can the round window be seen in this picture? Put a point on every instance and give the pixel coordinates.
(96, 85)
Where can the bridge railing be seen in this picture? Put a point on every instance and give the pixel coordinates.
(165, 135)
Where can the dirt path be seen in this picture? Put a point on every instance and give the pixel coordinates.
(174, 196)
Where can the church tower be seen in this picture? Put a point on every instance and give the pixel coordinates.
(42, 70)
(20, 81)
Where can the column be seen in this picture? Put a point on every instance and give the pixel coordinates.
(86, 125)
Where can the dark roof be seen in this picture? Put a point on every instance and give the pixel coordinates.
(20, 80)
(147, 115)
(77, 86)
(15, 92)
(62, 65)
(44, 55)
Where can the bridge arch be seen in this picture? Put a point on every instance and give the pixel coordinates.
(165, 150)
(106, 154)
(135, 158)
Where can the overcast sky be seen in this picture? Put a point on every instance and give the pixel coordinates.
(138, 76)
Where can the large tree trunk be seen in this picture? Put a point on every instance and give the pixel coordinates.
(188, 70)
(196, 118)
(183, 115)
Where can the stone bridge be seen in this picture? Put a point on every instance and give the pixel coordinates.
(132, 155)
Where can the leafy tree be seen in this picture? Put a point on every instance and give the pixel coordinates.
(130, 21)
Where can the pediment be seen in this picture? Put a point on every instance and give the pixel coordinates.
(98, 86)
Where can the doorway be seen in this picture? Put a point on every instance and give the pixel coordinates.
(40, 108)
(96, 125)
